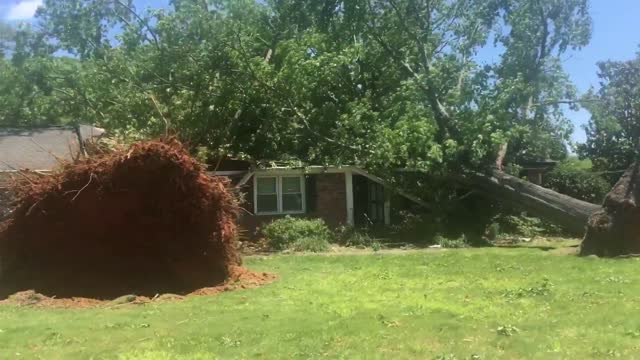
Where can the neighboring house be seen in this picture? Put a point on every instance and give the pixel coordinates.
(344, 195)
(535, 171)
(39, 150)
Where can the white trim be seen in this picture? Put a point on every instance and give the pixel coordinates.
(305, 170)
(348, 182)
(228, 173)
(279, 194)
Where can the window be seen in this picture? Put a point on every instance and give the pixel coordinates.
(267, 195)
(279, 194)
(291, 194)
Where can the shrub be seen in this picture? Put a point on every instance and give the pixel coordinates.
(460, 242)
(417, 228)
(493, 231)
(577, 182)
(353, 237)
(281, 234)
(310, 244)
(525, 225)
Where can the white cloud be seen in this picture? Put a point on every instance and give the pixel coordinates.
(23, 10)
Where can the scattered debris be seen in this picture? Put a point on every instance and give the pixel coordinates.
(125, 299)
(239, 278)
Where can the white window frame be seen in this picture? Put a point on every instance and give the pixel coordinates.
(279, 194)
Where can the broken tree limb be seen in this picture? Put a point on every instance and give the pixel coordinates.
(386, 184)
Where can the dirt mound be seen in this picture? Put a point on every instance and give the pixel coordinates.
(142, 221)
(239, 278)
(615, 230)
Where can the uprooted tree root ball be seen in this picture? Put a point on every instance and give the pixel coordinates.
(144, 221)
(615, 230)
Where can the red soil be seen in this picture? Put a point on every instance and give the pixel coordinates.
(239, 278)
(144, 221)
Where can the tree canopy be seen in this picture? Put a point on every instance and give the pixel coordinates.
(613, 132)
(382, 83)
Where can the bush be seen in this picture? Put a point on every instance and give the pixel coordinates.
(577, 182)
(282, 234)
(417, 228)
(525, 225)
(353, 237)
(460, 242)
(493, 231)
(310, 244)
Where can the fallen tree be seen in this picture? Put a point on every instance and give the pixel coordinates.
(612, 229)
(570, 213)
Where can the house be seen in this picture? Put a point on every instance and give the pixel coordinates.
(534, 171)
(39, 150)
(340, 195)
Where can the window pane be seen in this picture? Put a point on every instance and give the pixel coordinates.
(291, 202)
(266, 185)
(291, 185)
(267, 203)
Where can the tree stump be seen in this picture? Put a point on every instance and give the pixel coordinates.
(615, 229)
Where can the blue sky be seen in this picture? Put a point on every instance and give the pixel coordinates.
(616, 36)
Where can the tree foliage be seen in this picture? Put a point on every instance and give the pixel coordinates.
(383, 83)
(613, 132)
(570, 179)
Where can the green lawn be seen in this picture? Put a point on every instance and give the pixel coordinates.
(494, 303)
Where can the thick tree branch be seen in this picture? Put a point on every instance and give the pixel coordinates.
(275, 91)
(565, 102)
(441, 115)
(141, 21)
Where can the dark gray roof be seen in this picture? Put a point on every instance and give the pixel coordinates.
(538, 165)
(42, 148)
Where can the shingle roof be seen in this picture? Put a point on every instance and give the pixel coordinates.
(42, 148)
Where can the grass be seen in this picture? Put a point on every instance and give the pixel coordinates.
(493, 303)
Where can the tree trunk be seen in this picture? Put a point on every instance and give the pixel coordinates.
(615, 229)
(564, 210)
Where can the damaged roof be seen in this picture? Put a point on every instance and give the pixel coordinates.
(43, 148)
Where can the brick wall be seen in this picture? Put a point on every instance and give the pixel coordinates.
(331, 201)
(330, 205)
